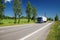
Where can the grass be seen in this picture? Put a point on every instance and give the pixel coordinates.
(8, 22)
(54, 34)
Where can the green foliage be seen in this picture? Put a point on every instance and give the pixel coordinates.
(34, 13)
(2, 7)
(17, 9)
(28, 11)
(50, 19)
(54, 34)
(56, 18)
(9, 22)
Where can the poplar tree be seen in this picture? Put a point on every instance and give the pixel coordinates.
(17, 10)
(34, 12)
(28, 11)
(2, 7)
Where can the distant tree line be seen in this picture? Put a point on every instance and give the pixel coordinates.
(50, 19)
(7, 17)
(56, 18)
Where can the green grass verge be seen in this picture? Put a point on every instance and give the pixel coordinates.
(54, 34)
(8, 22)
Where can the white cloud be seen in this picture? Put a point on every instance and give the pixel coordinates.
(8, 1)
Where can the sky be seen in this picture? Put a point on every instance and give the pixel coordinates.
(50, 7)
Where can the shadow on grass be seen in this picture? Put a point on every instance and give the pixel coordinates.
(1, 23)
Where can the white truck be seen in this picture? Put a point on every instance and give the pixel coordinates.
(41, 19)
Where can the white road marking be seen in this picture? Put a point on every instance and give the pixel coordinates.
(35, 32)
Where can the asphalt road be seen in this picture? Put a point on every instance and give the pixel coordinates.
(19, 32)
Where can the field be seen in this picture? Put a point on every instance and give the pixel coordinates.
(54, 34)
(8, 22)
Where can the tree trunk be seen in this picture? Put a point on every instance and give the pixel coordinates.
(19, 19)
(28, 20)
(15, 18)
(34, 19)
(0, 17)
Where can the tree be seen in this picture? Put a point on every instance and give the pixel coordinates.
(28, 11)
(56, 18)
(17, 10)
(2, 7)
(34, 12)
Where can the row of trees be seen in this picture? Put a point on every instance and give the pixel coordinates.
(31, 12)
(17, 8)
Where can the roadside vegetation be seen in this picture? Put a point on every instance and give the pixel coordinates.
(9, 22)
(54, 34)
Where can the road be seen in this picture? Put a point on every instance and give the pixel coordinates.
(35, 31)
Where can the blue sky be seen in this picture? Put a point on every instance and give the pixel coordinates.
(51, 7)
